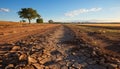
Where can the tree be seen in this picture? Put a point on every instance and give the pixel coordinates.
(51, 21)
(28, 13)
(39, 20)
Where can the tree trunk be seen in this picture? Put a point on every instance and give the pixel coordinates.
(29, 21)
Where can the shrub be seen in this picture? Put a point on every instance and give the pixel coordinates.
(51, 21)
(39, 20)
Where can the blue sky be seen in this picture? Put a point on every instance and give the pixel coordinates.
(64, 10)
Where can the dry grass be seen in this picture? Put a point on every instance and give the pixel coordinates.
(7, 28)
(6, 23)
(110, 25)
(112, 28)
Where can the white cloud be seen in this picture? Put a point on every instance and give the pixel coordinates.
(80, 11)
(4, 10)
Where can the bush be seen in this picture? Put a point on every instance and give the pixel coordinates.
(51, 21)
(40, 20)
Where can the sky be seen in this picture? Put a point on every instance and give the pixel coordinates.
(64, 10)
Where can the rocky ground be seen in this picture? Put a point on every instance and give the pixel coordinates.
(58, 48)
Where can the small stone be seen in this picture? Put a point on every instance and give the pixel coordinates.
(73, 60)
(77, 65)
(40, 58)
(62, 62)
(23, 57)
(36, 55)
(46, 60)
(31, 60)
(44, 56)
(19, 66)
(47, 53)
(114, 60)
(94, 53)
(10, 66)
(37, 66)
(55, 66)
(73, 53)
(59, 59)
(29, 67)
(112, 66)
(15, 48)
(69, 64)
(33, 50)
(31, 42)
(64, 67)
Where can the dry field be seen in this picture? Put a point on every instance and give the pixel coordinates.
(114, 25)
(12, 31)
(106, 36)
(59, 46)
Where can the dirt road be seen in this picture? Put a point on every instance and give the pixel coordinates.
(58, 48)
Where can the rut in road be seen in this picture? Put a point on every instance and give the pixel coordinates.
(57, 49)
(49, 50)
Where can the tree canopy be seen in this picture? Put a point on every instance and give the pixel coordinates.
(28, 13)
(51, 21)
